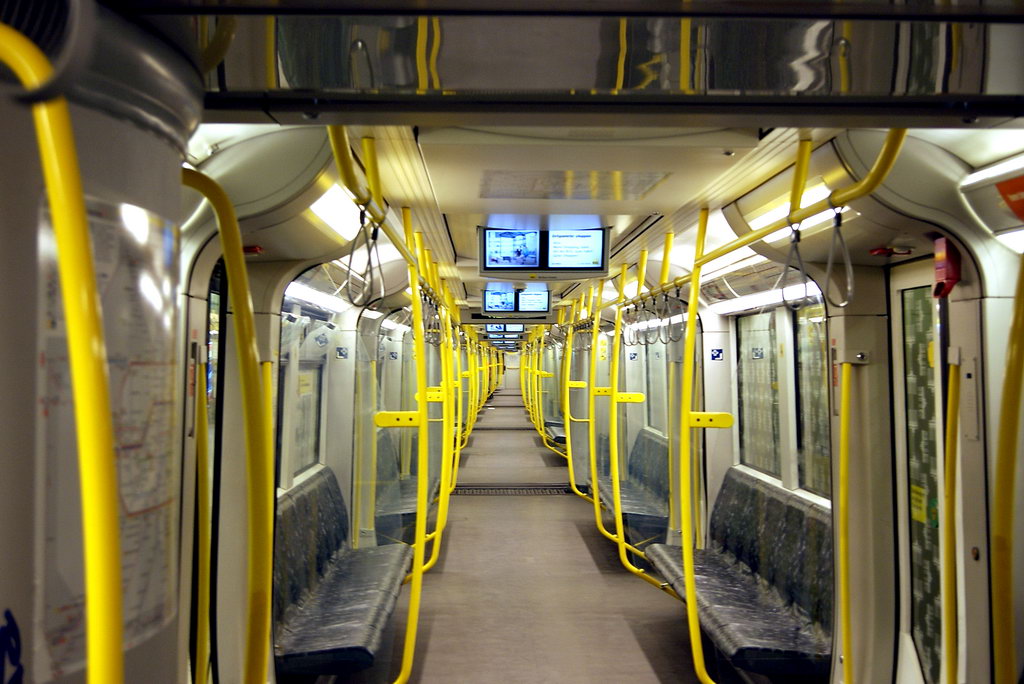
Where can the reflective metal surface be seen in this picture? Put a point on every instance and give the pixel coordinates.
(626, 57)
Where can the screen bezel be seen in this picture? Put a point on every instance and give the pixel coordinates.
(515, 303)
(543, 250)
(547, 297)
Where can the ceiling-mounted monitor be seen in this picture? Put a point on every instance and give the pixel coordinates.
(544, 254)
(495, 327)
(499, 301)
(514, 327)
(533, 301)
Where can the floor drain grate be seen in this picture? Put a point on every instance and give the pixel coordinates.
(512, 490)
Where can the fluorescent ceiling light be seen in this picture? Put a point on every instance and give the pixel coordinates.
(807, 225)
(316, 297)
(338, 210)
(386, 252)
(1013, 239)
(811, 195)
(760, 300)
(389, 324)
(371, 314)
(1006, 166)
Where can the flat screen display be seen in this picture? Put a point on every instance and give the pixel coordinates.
(495, 327)
(515, 327)
(576, 249)
(534, 301)
(496, 337)
(499, 301)
(511, 248)
(511, 337)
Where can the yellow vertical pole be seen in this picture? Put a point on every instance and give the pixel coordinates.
(1004, 649)
(685, 467)
(447, 441)
(641, 273)
(845, 407)
(949, 594)
(422, 462)
(666, 258)
(101, 541)
(260, 474)
(199, 674)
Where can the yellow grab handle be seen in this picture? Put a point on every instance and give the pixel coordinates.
(87, 358)
(949, 597)
(203, 523)
(260, 458)
(843, 514)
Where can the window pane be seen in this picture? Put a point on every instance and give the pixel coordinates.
(657, 379)
(813, 436)
(758, 392)
(922, 472)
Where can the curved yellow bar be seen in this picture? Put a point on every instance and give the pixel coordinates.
(342, 148)
(87, 355)
(258, 447)
(803, 160)
(1004, 655)
(214, 52)
(949, 598)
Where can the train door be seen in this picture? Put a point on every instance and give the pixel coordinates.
(919, 341)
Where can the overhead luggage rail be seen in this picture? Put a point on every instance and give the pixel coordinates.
(87, 353)
(260, 457)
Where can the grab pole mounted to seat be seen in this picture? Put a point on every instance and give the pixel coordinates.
(260, 457)
(87, 357)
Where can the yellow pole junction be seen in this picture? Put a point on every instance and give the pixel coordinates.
(87, 356)
(1004, 650)
(260, 457)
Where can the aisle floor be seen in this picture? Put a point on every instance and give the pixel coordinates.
(526, 589)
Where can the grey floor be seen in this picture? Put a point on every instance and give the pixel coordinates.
(526, 590)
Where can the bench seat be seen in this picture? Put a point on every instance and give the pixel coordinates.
(643, 490)
(755, 630)
(331, 603)
(764, 585)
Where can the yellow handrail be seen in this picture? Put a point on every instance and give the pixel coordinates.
(87, 355)
(258, 447)
(203, 523)
(422, 463)
(685, 409)
(949, 597)
(843, 513)
(803, 161)
(215, 51)
(1004, 649)
(613, 441)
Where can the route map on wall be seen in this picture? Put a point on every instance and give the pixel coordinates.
(136, 257)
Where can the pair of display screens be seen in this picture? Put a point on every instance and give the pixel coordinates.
(506, 327)
(499, 336)
(521, 301)
(533, 249)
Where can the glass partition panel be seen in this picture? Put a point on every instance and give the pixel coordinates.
(813, 431)
(758, 387)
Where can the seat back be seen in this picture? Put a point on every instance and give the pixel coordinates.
(648, 464)
(783, 537)
(311, 527)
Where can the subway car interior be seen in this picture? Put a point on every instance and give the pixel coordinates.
(510, 341)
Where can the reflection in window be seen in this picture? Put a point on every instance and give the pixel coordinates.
(813, 436)
(758, 392)
(304, 341)
(657, 380)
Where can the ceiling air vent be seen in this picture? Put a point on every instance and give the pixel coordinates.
(574, 185)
